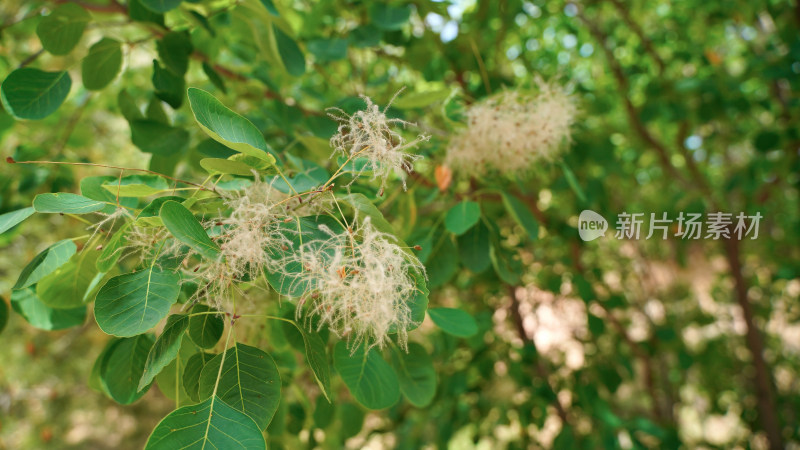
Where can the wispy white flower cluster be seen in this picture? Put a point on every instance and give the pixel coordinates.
(370, 136)
(360, 283)
(250, 229)
(511, 131)
(245, 235)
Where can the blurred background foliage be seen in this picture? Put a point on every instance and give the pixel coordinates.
(684, 106)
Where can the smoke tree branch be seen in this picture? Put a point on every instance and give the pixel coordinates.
(766, 405)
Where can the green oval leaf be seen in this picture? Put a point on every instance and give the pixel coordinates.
(225, 126)
(473, 248)
(388, 17)
(185, 227)
(160, 6)
(92, 187)
(95, 382)
(152, 136)
(217, 166)
(102, 64)
(169, 87)
(454, 321)
(292, 57)
(137, 186)
(133, 303)
(249, 382)
(416, 374)
(27, 304)
(363, 205)
(210, 424)
(214, 77)
(507, 267)
(128, 107)
(165, 349)
(191, 374)
(139, 13)
(174, 50)
(11, 219)
(148, 216)
(445, 254)
(368, 377)
(421, 99)
(61, 30)
(122, 367)
(71, 285)
(323, 412)
(351, 416)
(170, 379)
(45, 263)
(573, 182)
(112, 250)
(34, 94)
(317, 358)
(327, 50)
(66, 203)
(462, 217)
(205, 329)
(522, 215)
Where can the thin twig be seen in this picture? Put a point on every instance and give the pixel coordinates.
(106, 166)
(541, 370)
(30, 59)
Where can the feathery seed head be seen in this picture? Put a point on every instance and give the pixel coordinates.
(370, 135)
(361, 284)
(511, 131)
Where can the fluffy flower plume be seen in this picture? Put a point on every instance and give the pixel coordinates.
(370, 135)
(244, 235)
(511, 131)
(360, 284)
(250, 229)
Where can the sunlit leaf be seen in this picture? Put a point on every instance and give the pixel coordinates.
(225, 126)
(45, 263)
(70, 285)
(137, 186)
(66, 203)
(11, 219)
